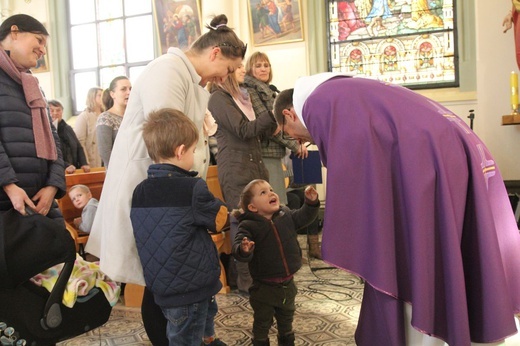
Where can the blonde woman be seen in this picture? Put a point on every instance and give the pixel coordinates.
(85, 126)
(257, 81)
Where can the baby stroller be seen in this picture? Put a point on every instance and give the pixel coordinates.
(30, 314)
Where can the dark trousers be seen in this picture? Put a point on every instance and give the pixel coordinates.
(270, 300)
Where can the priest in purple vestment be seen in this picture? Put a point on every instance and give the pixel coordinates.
(416, 206)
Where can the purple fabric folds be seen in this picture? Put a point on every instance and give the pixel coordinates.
(417, 207)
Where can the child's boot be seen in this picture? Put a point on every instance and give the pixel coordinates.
(286, 340)
(313, 241)
(260, 342)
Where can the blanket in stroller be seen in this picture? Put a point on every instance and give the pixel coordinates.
(84, 277)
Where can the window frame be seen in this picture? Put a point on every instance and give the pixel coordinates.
(97, 69)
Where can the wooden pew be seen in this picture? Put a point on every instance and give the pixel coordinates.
(222, 240)
(94, 180)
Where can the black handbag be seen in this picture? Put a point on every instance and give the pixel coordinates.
(30, 244)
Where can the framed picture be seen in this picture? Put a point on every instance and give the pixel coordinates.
(275, 21)
(178, 22)
(42, 66)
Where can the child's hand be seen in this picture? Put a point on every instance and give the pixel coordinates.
(70, 169)
(77, 221)
(247, 245)
(311, 194)
(507, 23)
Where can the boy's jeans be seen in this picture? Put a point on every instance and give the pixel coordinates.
(188, 324)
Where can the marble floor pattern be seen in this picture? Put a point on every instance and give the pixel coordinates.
(327, 311)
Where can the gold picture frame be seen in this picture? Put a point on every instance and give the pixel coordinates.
(178, 22)
(42, 63)
(42, 66)
(275, 22)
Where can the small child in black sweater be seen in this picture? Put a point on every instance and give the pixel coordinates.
(267, 239)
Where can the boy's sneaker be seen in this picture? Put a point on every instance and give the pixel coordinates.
(216, 342)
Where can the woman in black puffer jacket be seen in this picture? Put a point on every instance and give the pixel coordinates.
(31, 165)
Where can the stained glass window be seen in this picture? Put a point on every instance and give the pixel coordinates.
(407, 42)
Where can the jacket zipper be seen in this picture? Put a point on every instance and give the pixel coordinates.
(280, 247)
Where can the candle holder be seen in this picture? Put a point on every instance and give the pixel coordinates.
(513, 118)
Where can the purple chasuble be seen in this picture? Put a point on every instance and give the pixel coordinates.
(417, 207)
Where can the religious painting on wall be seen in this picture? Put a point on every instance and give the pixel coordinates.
(275, 21)
(408, 42)
(178, 23)
(42, 66)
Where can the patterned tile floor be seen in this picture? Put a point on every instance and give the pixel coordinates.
(327, 310)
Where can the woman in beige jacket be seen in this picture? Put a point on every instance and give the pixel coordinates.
(85, 126)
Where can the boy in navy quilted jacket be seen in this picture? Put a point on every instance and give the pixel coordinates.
(172, 211)
(268, 240)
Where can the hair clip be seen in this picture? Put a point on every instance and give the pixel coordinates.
(217, 26)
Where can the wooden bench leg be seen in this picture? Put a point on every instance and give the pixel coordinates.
(82, 252)
(133, 295)
(223, 279)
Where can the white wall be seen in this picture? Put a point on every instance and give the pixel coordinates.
(495, 61)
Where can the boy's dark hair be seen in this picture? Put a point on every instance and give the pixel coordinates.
(24, 23)
(247, 194)
(284, 100)
(165, 130)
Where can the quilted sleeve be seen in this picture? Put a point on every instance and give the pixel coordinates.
(210, 212)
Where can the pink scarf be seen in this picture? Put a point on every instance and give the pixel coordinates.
(244, 103)
(43, 139)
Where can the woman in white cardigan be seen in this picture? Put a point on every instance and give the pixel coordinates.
(175, 80)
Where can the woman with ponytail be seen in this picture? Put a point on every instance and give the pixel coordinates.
(173, 80)
(115, 100)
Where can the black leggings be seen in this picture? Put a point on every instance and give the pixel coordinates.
(153, 320)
